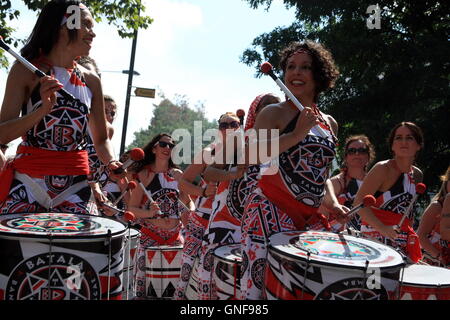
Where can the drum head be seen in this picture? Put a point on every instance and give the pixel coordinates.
(335, 250)
(134, 233)
(60, 225)
(229, 252)
(426, 276)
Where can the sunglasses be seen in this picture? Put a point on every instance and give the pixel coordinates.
(228, 125)
(163, 144)
(357, 150)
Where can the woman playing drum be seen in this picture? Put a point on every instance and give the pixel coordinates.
(358, 155)
(429, 227)
(393, 183)
(50, 169)
(290, 199)
(160, 177)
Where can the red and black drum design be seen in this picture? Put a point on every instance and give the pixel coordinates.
(162, 270)
(192, 287)
(59, 256)
(129, 253)
(227, 271)
(423, 282)
(313, 265)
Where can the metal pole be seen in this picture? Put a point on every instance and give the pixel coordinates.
(130, 84)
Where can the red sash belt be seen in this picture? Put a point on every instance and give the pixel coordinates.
(300, 214)
(389, 218)
(161, 241)
(37, 163)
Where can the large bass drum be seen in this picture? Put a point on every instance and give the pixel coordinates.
(59, 256)
(313, 265)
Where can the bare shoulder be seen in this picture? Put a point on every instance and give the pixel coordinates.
(269, 117)
(418, 174)
(92, 79)
(380, 168)
(332, 123)
(20, 74)
(177, 173)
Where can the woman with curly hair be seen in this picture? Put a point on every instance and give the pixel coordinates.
(359, 153)
(429, 228)
(290, 199)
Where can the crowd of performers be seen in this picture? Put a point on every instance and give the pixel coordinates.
(65, 163)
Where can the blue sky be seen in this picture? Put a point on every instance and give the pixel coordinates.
(192, 48)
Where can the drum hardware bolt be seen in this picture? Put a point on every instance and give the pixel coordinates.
(50, 257)
(308, 256)
(109, 263)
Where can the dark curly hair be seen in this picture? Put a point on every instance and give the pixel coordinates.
(149, 157)
(325, 71)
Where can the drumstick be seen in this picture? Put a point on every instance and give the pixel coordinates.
(147, 193)
(368, 201)
(420, 189)
(131, 186)
(267, 68)
(136, 154)
(241, 114)
(32, 68)
(127, 215)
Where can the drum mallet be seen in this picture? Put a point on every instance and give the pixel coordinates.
(420, 189)
(136, 154)
(267, 69)
(147, 193)
(241, 114)
(32, 68)
(127, 215)
(368, 201)
(131, 186)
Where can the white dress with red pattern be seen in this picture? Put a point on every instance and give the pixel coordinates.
(64, 128)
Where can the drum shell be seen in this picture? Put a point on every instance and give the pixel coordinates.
(285, 276)
(162, 270)
(192, 286)
(227, 272)
(128, 266)
(409, 290)
(31, 255)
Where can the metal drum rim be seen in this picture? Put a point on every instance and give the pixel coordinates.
(222, 258)
(86, 236)
(295, 258)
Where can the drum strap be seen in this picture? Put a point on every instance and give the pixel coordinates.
(158, 239)
(42, 196)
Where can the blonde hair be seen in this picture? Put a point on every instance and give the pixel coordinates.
(443, 191)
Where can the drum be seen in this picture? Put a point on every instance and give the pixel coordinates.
(227, 271)
(313, 265)
(422, 282)
(192, 287)
(129, 290)
(59, 256)
(162, 270)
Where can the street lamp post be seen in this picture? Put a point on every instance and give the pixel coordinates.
(130, 84)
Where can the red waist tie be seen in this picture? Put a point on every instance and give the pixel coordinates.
(300, 214)
(389, 218)
(161, 241)
(37, 163)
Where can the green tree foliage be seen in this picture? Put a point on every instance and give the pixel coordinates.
(169, 116)
(399, 72)
(124, 15)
